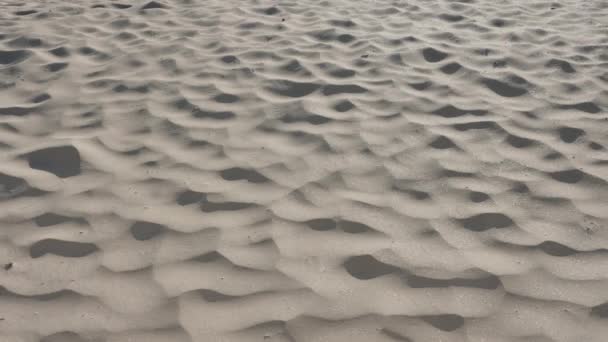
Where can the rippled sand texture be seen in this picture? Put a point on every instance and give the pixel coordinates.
(304, 171)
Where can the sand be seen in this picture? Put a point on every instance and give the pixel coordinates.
(193, 171)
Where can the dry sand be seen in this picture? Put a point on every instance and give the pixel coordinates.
(303, 171)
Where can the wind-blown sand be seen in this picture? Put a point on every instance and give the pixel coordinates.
(303, 171)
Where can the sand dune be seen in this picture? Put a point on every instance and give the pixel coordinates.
(371, 170)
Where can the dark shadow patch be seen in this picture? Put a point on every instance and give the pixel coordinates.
(40, 98)
(183, 105)
(530, 115)
(450, 68)
(323, 35)
(126, 36)
(568, 176)
(453, 112)
(553, 156)
(389, 117)
(342, 73)
(13, 56)
(417, 195)
(323, 224)
(120, 6)
(483, 52)
(62, 161)
(486, 221)
(445, 322)
(312, 119)
(600, 311)
(98, 6)
(198, 143)
(342, 23)
(452, 173)
(87, 51)
(395, 58)
(570, 134)
(343, 106)
(563, 65)
(587, 107)
(142, 230)
(432, 55)
(292, 67)
(293, 89)
(271, 11)
(209, 207)
(14, 187)
(142, 89)
(595, 146)
(362, 63)
(499, 64)
(25, 42)
(169, 64)
(486, 283)
(453, 18)
(16, 111)
(520, 188)
(4, 292)
(153, 5)
(498, 23)
(395, 336)
(204, 114)
(442, 143)
(478, 197)
(421, 86)
(208, 257)
(237, 173)
(556, 249)
(121, 88)
(475, 125)
(214, 297)
(51, 219)
(60, 52)
(229, 59)
(247, 26)
(54, 67)
(345, 38)
(7, 266)
(517, 80)
(11, 187)
(519, 142)
(68, 249)
(226, 98)
(503, 89)
(190, 197)
(333, 89)
(8, 127)
(366, 267)
(25, 12)
(353, 227)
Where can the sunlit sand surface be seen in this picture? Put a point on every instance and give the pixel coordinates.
(200, 171)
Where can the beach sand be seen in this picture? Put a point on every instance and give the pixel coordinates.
(193, 171)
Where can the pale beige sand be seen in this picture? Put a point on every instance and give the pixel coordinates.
(304, 171)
